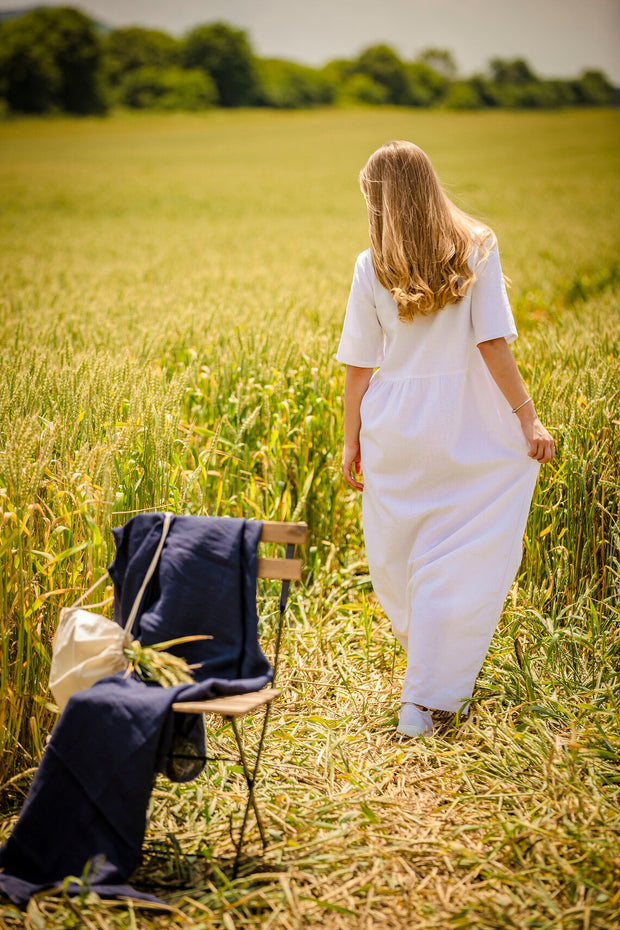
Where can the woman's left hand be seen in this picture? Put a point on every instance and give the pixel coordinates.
(539, 439)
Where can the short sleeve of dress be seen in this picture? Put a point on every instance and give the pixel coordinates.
(491, 314)
(361, 343)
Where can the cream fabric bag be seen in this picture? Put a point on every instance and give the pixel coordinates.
(87, 646)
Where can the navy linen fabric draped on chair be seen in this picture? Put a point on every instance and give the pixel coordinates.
(89, 797)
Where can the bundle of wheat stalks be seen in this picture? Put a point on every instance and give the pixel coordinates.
(153, 664)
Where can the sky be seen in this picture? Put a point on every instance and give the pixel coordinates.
(559, 38)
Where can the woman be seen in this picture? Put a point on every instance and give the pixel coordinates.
(446, 435)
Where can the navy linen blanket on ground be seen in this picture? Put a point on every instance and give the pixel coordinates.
(89, 797)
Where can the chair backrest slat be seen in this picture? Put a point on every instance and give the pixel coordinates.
(277, 532)
(284, 569)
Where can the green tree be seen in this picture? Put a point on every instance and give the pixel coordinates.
(126, 50)
(463, 95)
(515, 71)
(425, 86)
(359, 88)
(384, 67)
(440, 60)
(29, 77)
(50, 59)
(563, 93)
(167, 89)
(536, 96)
(338, 70)
(287, 85)
(225, 54)
(593, 88)
(513, 84)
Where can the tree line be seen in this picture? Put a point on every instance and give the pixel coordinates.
(59, 60)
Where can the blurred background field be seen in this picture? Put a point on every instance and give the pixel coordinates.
(173, 288)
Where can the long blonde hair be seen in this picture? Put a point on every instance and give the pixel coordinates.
(420, 241)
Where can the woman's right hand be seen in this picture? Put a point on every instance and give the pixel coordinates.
(352, 466)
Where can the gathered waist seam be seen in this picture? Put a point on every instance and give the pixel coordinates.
(441, 374)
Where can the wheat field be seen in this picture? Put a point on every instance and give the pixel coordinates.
(172, 292)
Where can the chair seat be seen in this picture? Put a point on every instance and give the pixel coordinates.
(235, 705)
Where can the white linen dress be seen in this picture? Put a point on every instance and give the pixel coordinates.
(447, 479)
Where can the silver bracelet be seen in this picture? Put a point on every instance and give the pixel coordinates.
(514, 409)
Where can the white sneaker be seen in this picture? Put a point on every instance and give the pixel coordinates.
(413, 721)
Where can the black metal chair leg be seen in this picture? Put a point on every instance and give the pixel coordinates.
(251, 779)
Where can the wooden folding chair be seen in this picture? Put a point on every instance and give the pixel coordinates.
(286, 570)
